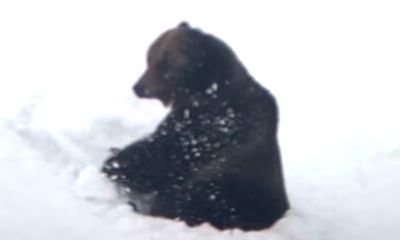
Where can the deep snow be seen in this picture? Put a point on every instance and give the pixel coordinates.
(66, 70)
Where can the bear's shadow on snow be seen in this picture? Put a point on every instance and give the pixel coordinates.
(215, 157)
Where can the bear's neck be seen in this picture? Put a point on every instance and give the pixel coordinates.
(233, 90)
(237, 99)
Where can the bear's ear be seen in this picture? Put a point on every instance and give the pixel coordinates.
(184, 24)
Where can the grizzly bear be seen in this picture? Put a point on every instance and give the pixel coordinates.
(215, 157)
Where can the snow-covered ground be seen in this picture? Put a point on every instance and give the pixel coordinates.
(66, 69)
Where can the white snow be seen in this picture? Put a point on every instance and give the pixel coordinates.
(212, 89)
(186, 113)
(66, 72)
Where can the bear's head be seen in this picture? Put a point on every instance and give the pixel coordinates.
(185, 62)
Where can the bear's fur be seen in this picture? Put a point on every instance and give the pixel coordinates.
(215, 158)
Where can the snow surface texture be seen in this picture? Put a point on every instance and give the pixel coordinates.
(65, 75)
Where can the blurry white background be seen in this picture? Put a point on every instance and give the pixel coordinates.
(66, 71)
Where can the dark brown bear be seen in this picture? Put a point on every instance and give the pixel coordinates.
(215, 158)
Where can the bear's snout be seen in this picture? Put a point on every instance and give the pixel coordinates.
(139, 90)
